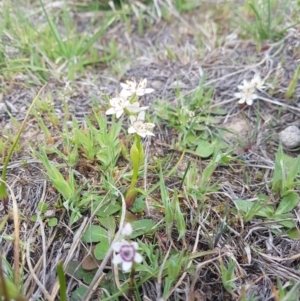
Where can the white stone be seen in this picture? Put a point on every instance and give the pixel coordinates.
(290, 136)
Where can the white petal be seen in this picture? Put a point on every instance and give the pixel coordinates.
(132, 119)
(117, 245)
(126, 266)
(142, 134)
(135, 104)
(127, 229)
(143, 83)
(150, 125)
(238, 94)
(131, 130)
(138, 258)
(125, 93)
(133, 108)
(141, 115)
(149, 90)
(125, 86)
(254, 96)
(119, 113)
(149, 133)
(117, 259)
(241, 101)
(135, 245)
(110, 111)
(137, 110)
(113, 102)
(249, 102)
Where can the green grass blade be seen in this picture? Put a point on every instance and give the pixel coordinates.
(62, 282)
(96, 36)
(54, 31)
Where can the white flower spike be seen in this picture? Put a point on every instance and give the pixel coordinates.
(118, 104)
(132, 87)
(127, 254)
(140, 127)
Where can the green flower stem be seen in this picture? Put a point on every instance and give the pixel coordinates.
(137, 157)
(3, 191)
(133, 98)
(131, 278)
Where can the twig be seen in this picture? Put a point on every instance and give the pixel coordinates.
(32, 272)
(76, 241)
(16, 236)
(97, 279)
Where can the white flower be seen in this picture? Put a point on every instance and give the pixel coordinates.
(257, 82)
(246, 96)
(135, 108)
(248, 88)
(118, 104)
(132, 87)
(139, 126)
(247, 85)
(125, 93)
(127, 229)
(127, 254)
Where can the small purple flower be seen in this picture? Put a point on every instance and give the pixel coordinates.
(127, 254)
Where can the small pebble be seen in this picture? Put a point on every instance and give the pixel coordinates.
(49, 213)
(290, 137)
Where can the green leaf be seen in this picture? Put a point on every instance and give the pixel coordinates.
(285, 220)
(205, 149)
(109, 223)
(258, 208)
(78, 293)
(11, 290)
(88, 278)
(179, 216)
(293, 233)
(108, 209)
(75, 269)
(52, 222)
(288, 202)
(243, 205)
(219, 111)
(292, 173)
(101, 249)
(279, 181)
(42, 207)
(94, 233)
(34, 218)
(266, 211)
(141, 227)
(138, 205)
(62, 282)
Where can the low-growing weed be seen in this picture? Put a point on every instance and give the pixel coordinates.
(194, 121)
(267, 19)
(46, 215)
